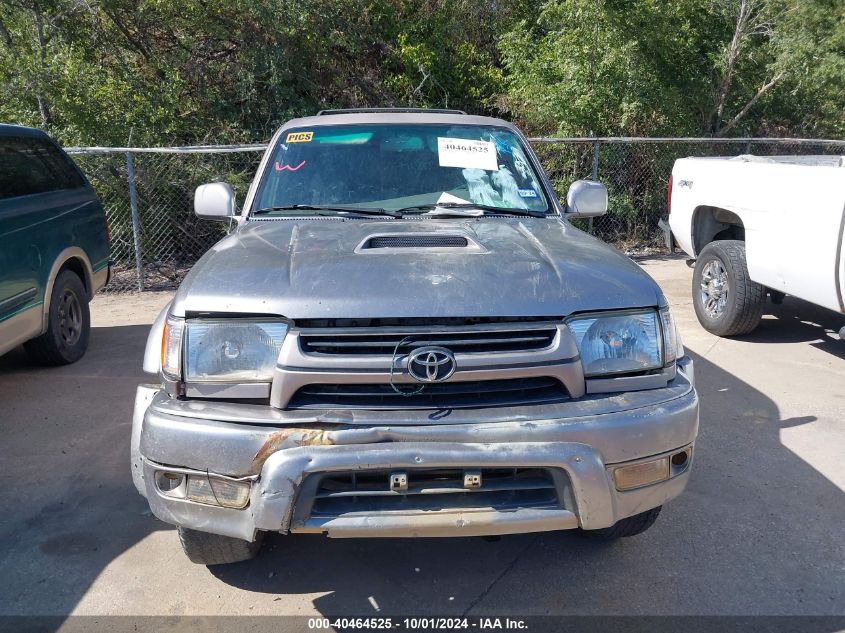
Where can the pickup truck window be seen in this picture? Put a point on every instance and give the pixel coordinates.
(396, 166)
(33, 165)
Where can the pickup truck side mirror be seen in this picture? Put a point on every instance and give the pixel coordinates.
(215, 201)
(586, 199)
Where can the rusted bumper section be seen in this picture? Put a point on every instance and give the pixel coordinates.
(274, 495)
(595, 502)
(277, 458)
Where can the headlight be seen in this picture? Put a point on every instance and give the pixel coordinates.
(624, 342)
(232, 350)
(221, 350)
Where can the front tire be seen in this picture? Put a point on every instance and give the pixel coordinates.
(68, 324)
(630, 526)
(726, 301)
(213, 549)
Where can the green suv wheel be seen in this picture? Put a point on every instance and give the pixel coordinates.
(68, 325)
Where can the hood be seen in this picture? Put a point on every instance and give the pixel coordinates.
(314, 269)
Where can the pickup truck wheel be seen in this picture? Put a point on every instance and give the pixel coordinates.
(624, 528)
(213, 549)
(68, 324)
(726, 301)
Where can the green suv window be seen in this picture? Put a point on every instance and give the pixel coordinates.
(34, 165)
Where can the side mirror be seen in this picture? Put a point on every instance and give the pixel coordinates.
(586, 199)
(215, 201)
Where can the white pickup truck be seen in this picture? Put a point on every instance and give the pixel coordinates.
(758, 225)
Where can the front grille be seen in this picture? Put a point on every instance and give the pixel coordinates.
(416, 241)
(497, 363)
(340, 493)
(446, 395)
(362, 341)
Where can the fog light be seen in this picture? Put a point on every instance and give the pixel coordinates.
(636, 475)
(679, 459)
(218, 492)
(170, 483)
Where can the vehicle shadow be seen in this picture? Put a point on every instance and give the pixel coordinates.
(798, 321)
(661, 257)
(69, 505)
(753, 534)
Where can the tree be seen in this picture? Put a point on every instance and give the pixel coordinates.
(193, 71)
(642, 67)
(186, 71)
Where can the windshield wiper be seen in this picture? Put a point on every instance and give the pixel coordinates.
(486, 208)
(330, 208)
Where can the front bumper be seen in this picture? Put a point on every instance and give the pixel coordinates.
(278, 459)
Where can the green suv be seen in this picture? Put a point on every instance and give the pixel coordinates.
(54, 248)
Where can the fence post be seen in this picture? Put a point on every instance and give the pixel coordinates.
(595, 176)
(748, 147)
(136, 224)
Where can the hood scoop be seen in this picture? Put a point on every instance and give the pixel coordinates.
(414, 241)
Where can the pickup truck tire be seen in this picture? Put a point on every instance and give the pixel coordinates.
(624, 528)
(213, 549)
(68, 324)
(743, 300)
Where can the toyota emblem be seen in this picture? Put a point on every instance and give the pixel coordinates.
(431, 364)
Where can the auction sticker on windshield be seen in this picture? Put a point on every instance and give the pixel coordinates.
(299, 137)
(466, 153)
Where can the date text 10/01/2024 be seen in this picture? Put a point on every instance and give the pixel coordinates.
(417, 623)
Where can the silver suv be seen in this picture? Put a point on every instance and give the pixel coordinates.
(405, 336)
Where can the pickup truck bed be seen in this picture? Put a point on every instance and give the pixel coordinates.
(780, 219)
(786, 214)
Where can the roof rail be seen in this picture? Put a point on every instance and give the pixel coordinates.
(388, 110)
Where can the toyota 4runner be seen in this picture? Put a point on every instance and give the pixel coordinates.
(405, 336)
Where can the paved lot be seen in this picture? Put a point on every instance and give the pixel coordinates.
(759, 530)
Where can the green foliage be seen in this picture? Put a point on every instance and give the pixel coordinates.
(197, 71)
(193, 71)
(647, 67)
(810, 48)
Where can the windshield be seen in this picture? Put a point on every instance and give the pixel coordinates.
(394, 167)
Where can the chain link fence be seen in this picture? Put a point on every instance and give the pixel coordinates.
(636, 172)
(156, 238)
(148, 195)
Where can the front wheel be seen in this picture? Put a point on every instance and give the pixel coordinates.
(213, 549)
(630, 526)
(726, 301)
(68, 324)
